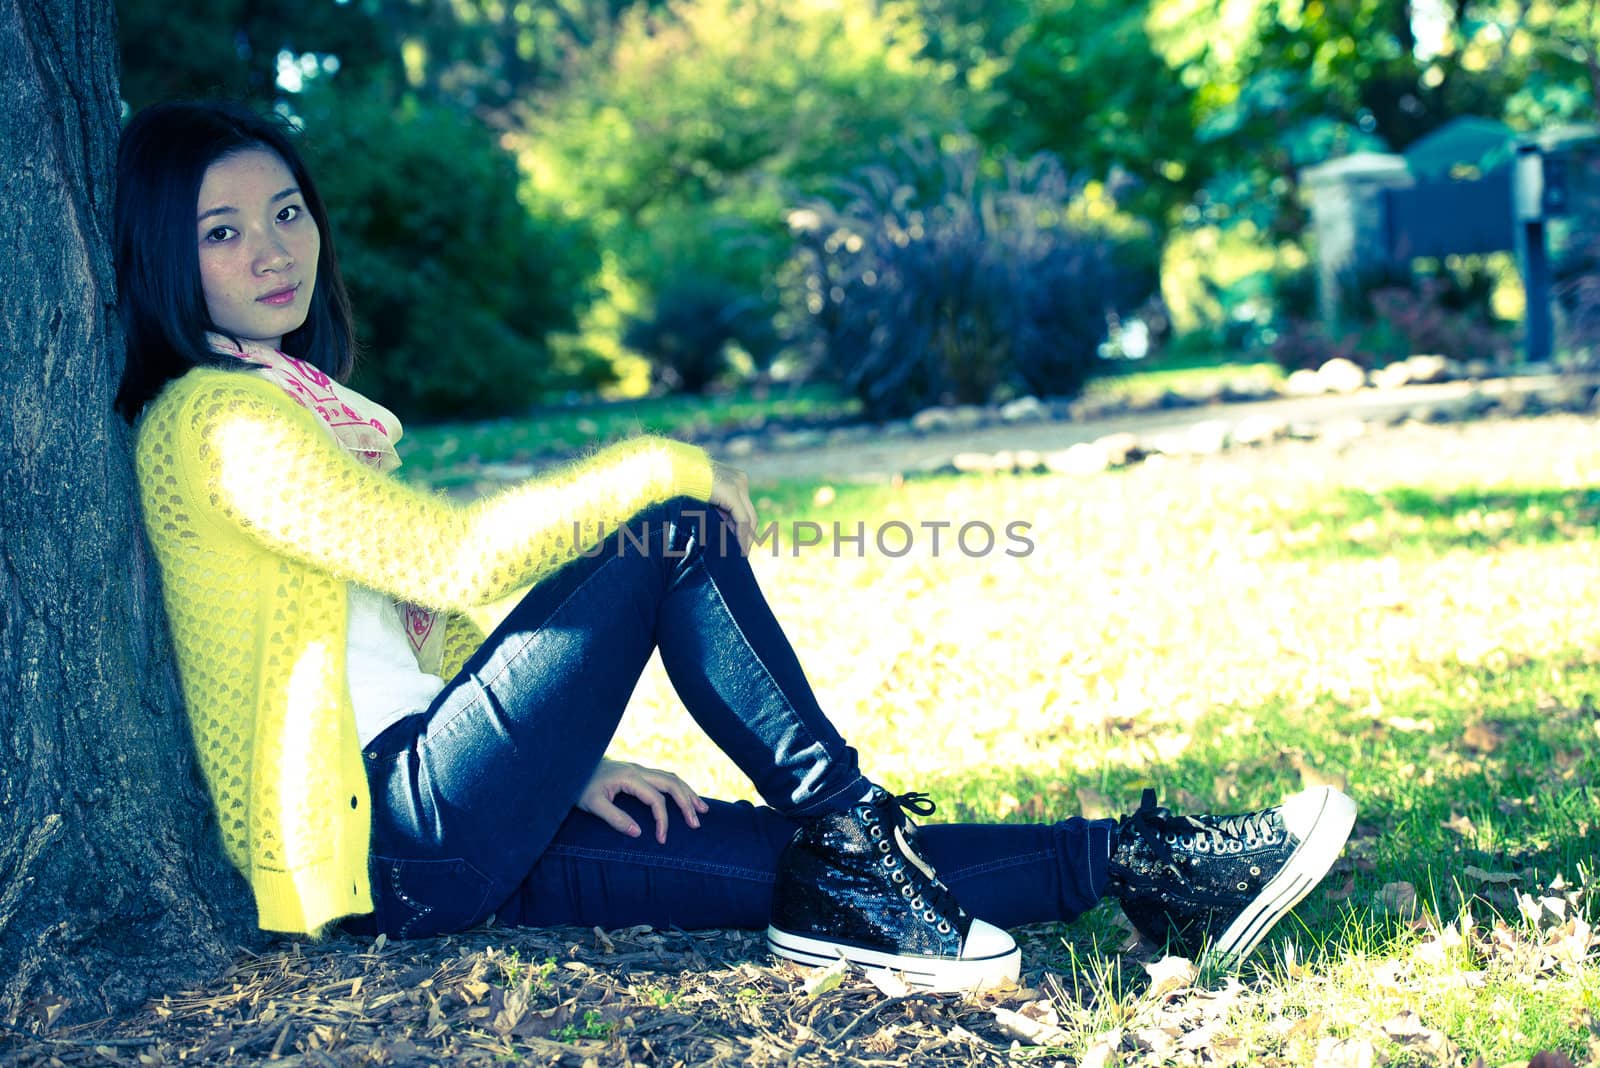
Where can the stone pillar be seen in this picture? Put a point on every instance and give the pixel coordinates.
(1348, 219)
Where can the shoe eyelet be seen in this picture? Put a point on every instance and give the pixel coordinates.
(897, 877)
(918, 903)
(1243, 886)
(1254, 870)
(944, 928)
(930, 916)
(906, 891)
(883, 847)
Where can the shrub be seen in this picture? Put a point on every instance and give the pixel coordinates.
(1387, 314)
(689, 137)
(935, 283)
(1576, 272)
(457, 283)
(696, 320)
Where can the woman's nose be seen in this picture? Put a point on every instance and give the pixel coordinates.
(271, 255)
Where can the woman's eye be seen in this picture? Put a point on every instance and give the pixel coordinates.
(218, 233)
(291, 211)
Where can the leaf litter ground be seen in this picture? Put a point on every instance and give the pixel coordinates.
(1405, 614)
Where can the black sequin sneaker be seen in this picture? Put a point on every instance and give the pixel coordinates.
(1218, 884)
(852, 885)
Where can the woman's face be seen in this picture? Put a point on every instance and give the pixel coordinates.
(258, 247)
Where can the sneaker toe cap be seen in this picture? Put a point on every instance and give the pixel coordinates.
(1319, 808)
(985, 940)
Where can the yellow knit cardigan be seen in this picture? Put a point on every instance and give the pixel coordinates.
(259, 521)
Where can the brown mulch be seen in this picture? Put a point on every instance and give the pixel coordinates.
(551, 997)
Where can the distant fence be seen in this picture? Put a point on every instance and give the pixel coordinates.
(1370, 211)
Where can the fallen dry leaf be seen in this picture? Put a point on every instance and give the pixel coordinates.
(1170, 974)
(1348, 1053)
(1484, 737)
(1398, 899)
(1027, 1029)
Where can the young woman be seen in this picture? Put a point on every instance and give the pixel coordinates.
(401, 706)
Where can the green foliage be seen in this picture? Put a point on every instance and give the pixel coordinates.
(690, 139)
(231, 47)
(936, 283)
(1083, 81)
(457, 282)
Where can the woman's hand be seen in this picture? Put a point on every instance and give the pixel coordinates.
(653, 787)
(730, 492)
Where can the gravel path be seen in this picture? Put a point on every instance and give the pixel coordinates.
(884, 457)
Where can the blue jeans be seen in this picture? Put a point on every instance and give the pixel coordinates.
(473, 797)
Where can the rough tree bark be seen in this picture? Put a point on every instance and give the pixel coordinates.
(112, 886)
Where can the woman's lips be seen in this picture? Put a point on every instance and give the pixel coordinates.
(282, 296)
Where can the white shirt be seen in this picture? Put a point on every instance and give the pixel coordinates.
(385, 683)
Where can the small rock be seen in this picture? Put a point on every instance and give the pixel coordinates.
(1340, 375)
(1513, 402)
(1028, 460)
(744, 445)
(1024, 410)
(1250, 388)
(1258, 429)
(1477, 369)
(1392, 377)
(967, 417)
(931, 420)
(1171, 443)
(1427, 368)
(1338, 431)
(1205, 391)
(1304, 383)
(1431, 413)
(979, 463)
(1080, 459)
(1119, 449)
(1208, 438)
(1567, 397)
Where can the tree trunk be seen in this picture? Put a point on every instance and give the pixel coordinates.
(112, 883)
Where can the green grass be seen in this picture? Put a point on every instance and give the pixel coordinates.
(1412, 618)
(453, 454)
(442, 453)
(1181, 375)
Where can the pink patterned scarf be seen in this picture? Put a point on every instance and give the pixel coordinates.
(366, 429)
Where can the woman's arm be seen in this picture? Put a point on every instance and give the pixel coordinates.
(271, 473)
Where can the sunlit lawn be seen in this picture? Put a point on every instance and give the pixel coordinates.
(1414, 617)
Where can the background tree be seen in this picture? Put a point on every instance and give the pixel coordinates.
(112, 882)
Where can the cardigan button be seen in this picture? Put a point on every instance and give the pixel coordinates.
(353, 803)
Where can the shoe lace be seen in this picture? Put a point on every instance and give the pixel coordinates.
(1160, 830)
(1153, 826)
(1252, 827)
(936, 894)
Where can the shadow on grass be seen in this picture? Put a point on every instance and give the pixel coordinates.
(1472, 790)
(1421, 521)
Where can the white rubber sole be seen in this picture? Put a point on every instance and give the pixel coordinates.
(1322, 818)
(922, 973)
